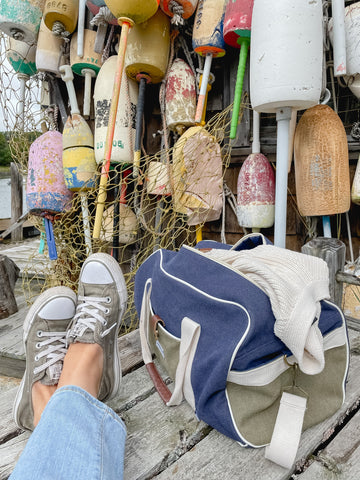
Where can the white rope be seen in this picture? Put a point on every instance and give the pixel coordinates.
(178, 11)
(103, 17)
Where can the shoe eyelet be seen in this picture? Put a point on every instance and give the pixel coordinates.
(39, 333)
(36, 358)
(38, 345)
(107, 311)
(108, 299)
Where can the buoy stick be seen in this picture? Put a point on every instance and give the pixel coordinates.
(50, 239)
(86, 222)
(256, 132)
(68, 77)
(338, 15)
(244, 42)
(126, 25)
(115, 245)
(81, 26)
(283, 116)
(326, 226)
(199, 235)
(22, 80)
(202, 95)
(139, 125)
(88, 74)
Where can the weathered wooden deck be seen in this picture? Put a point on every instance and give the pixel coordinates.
(170, 443)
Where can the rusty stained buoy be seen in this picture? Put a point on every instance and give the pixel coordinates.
(180, 97)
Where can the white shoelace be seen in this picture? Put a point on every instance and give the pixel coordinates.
(55, 352)
(88, 313)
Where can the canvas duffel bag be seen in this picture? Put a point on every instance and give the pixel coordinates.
(248, 337)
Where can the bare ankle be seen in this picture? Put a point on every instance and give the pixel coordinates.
(41, 394)
(83, 365)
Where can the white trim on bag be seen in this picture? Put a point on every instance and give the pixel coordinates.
(267, 373)
(347, 345)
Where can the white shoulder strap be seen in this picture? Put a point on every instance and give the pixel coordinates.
(287, 431)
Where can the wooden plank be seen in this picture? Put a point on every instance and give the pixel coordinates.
(8, 426)
(341, 458)
(10, 452)
(158, 435)
(5, 223)
(130, 351)
(27, 258)
(16, 200)
(18, 223)
(9, 273)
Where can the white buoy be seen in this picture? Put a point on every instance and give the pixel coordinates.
(339, 40)
(352, 37)
(124, 133)
(48, 51)
(285, 74)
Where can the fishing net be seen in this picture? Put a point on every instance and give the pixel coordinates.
(140, 215)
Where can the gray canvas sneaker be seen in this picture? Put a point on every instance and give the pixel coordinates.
(45, 328)
(102, 299)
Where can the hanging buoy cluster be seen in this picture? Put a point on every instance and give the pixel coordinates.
(283, 44)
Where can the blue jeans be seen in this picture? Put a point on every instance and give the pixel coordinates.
(78, 437)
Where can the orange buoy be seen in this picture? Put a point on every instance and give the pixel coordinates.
(178, 10)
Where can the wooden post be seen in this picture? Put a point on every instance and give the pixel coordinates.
(9, 273)
(332, 251)
(16, 200)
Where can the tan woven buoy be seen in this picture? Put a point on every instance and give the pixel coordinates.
(321, 163)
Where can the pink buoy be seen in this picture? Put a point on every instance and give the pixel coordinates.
(46, 192)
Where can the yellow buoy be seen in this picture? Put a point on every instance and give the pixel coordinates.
(148, 48)
(137, 10)
(61, 17)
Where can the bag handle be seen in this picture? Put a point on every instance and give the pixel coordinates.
(160, 385)
(190, 333)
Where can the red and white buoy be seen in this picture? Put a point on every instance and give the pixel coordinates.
(256, 187)
(180, 97)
